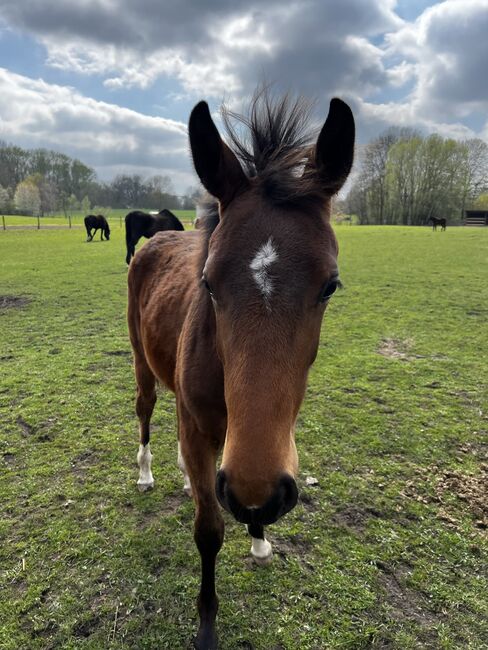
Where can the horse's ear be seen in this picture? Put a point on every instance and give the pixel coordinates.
(334, 151)
(218, 168)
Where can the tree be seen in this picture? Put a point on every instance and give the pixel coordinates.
(190, 198)
(4, 200)
(481, 202)
(27, 198)
(406, 178)
(85, 205)
(14, 165)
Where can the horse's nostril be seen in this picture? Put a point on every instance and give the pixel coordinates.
(290, 494)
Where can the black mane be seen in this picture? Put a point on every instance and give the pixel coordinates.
(276, 147)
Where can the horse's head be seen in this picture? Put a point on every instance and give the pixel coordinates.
(106, 227)
(270, 271)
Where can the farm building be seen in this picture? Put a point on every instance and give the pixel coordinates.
(476, 218)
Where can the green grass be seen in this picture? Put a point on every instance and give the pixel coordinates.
(387, 551)
(115, 218)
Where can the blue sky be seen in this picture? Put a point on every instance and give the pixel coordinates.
(112, 82)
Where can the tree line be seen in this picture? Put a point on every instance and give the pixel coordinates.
(41, 182)
(406, 178)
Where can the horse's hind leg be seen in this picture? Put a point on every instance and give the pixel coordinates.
(182, 466)
(145, 401)
(261, 550)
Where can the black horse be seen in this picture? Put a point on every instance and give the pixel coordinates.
(97, 222)
(438, 222)
(140, 224)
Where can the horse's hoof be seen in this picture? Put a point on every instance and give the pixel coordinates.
(205, 641)
(188, 491)
(263, 561)
(261, 552)
(145, 487)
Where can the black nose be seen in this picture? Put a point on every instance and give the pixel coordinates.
(283, 499)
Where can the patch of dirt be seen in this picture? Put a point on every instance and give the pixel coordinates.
(13, 302)
(27, 429)
(395, 349)
(355, 517)
(295, 545)
(403, 602)
(173, 502)
(8, 458)
(83, 461)
(470, 488)
(41, 431)
(477, 449)
(400, 349)
(85, 628)
(307, 500)
(118, 353)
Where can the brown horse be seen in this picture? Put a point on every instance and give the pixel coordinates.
(229, 317)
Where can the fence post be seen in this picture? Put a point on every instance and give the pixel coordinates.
(69, 219)
(38, 223)
(3, 221)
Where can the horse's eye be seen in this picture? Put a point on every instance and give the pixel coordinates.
(206, 285)
(329, 289)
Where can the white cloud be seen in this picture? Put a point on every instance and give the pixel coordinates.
(36, 114)
(447, 46)
(429, 73)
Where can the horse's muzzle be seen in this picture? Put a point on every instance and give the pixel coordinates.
(280, 502)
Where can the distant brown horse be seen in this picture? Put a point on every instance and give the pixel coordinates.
(438, 222)
(140, 224)
(96, 222)
(229, 317)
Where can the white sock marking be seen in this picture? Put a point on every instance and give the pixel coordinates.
(182, 466)
(259, 266)
(261, 550)
(144, 458)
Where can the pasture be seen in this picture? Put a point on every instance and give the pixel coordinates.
(115, 218)
(387, 547)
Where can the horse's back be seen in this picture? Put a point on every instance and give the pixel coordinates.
(170, 221)
(162, 279)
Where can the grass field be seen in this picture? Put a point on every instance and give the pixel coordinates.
(388, 550)
(115, 218)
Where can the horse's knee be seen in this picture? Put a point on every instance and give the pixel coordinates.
(209, 532)
(145, 402)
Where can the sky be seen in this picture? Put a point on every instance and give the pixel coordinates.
(112, 82)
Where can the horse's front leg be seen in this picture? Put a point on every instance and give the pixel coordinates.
(200, 456)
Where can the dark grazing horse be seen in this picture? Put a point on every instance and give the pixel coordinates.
(228, 317)
(438, 222)
(140, 224)
(97, 222)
